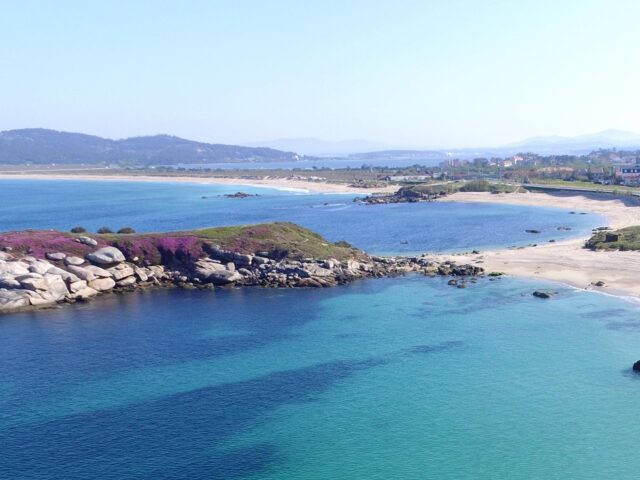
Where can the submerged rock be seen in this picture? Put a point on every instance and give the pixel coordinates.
(239, 195)
(636, 367)
(541, 294)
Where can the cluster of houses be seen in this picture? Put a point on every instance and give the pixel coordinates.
(629, 174)
(509, 162)
(601, 166)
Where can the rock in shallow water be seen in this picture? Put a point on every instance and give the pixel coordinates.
(540, 294)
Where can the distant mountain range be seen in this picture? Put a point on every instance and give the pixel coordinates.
(552, 145)
(581, 144)
(542, 145)
(41, 146)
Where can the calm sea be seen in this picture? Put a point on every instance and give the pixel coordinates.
(402, 378)
(399, 228)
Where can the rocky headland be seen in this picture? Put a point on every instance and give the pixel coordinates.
(43, 268)
(408, 194)
(435, 191)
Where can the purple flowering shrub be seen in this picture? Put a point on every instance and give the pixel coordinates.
(142, 248)
(161, 249)
(38, 242)
(181, 248)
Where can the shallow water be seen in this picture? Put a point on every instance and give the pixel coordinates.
(400, 228)
(396, 378)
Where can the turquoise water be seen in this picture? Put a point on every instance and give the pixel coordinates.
(400, 228)
(402, 378)
(396, 378)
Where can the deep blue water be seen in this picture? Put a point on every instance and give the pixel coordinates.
(402, 378)
(396, 228)
(398, 378)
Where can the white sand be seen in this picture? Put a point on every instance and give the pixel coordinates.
(282, 183)
(566, 261)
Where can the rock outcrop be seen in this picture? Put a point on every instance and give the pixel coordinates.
(409, 194)
(541, 294)
(106, 256)
(30, 279)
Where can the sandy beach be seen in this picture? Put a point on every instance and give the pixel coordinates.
(567, 262)
(282, 183)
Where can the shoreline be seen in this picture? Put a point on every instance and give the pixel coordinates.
(306, 186)
(567, 261)
(35, 275)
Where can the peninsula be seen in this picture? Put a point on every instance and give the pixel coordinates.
(45, 267)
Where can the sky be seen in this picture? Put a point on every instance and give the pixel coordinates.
(449, 73)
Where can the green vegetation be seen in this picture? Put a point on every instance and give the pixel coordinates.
(469, 186)
(277, 240)
(282, 239)
(104, 230)
(486, 186)
(435, 189)
(78, 230)
(623, 239)
(126, 231)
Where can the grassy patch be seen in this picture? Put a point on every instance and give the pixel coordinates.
(623, 239)
(281, 238)
(486, 186)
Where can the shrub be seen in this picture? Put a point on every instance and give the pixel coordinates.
(103, 230)
(343, 243)
(78, 230)
(476, 186)
(126, 230)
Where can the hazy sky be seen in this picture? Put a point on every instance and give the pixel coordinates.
(428, 73)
